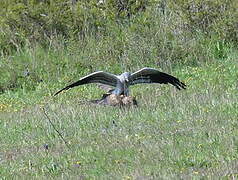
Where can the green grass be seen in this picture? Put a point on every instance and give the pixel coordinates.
(172, 134)
(188, 134)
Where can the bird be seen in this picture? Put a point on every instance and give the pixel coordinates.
(122, 82)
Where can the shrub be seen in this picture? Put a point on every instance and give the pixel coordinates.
(217, 17)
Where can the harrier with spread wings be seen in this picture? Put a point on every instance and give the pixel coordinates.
(122, 82)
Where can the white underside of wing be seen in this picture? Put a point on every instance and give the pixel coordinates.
(144, 71)
(105, 87)
(101, 77)
(142, 79)
(141, 76)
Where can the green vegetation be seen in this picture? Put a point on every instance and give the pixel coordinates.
(45, 45)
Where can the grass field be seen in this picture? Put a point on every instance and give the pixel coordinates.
(187, 134)
(184, 134)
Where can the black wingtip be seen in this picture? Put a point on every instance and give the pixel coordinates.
(179, 85)
(59, 91)
(183, 85)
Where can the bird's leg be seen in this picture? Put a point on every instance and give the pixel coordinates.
(119, 89)
(126, 90)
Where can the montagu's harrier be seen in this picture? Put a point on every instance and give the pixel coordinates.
(126, 79)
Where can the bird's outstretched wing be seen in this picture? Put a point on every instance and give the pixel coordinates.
(96, 77)
(150, 75)
(105, 87)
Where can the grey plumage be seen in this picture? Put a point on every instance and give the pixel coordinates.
(123, 81)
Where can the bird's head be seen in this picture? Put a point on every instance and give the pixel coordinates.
(126, 76)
